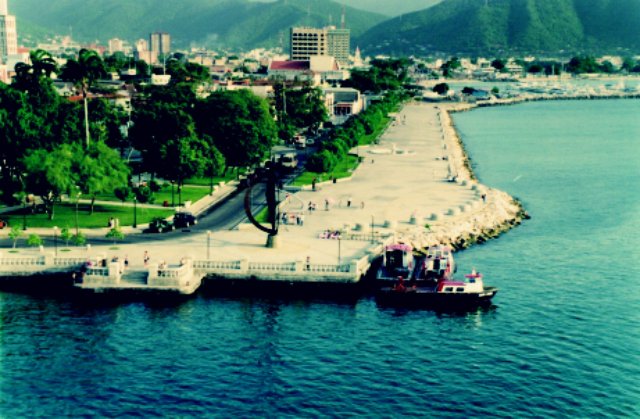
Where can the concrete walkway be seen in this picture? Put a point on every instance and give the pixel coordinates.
(398, 186)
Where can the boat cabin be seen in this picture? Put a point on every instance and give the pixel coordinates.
(398, 259)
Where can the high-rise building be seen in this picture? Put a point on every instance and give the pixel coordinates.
(308, 42)
(116, 45)
(8, 33)
(160, 42)
(338, 44)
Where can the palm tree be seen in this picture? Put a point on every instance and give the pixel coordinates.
(28, 76)
(83, 73)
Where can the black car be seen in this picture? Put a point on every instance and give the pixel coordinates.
(160, 225)
(184, 219)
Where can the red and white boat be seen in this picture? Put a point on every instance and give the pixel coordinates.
(445, 293)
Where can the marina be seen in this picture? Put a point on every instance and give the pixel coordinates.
(402, 192)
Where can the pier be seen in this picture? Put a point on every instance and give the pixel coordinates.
(413, 186)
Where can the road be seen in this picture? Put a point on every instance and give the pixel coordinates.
(224, 216)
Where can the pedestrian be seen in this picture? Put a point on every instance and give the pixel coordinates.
(308, 263)
(362, 205)
(484, 197)
(126, 261)
(146, 258)
(348, 202)
(301, 219)
(313, 184)
(326, 205)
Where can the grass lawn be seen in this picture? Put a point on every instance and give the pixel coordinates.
(343, 169)
(373, 137)
(205, 181)
(189, 193)
(65, 216)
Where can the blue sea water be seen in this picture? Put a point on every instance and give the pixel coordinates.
(562, 341)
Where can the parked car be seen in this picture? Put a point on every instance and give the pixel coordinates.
(160, 225)
(184, 219)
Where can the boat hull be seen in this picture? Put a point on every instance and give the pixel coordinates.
(428, 298)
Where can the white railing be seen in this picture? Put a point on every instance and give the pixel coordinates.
(23, 261)
(69, 261)
(216, 264)
(265, 266)
(173, 272)
(328, 268)
(97, 272)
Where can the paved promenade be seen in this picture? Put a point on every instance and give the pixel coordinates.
(399, 188)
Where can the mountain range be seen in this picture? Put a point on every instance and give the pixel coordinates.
(479, 26)
(211, 23)
(450, 26)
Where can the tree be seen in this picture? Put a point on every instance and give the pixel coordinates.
(123, 193)
(34, 240)
(183, 158)
(305, 108)
(498, 64)
(29, 76)
(99, 169)
(50, 173)
(155, 126)
(79, 239)
(240, 124)
(66, 236)
(116, 234)
(15, 234)
(83, 72)
(441, 88)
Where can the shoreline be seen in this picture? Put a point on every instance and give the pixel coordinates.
(508, 212)
(498, 211)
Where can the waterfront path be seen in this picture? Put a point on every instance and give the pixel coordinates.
(399, 192)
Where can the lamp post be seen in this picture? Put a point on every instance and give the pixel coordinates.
(135, 211)
(173, 202)
(55, 240)
(24, 213)
(77, 201)
(372, 232)
(208, 244)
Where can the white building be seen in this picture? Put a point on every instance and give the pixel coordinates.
(8, 33)
(116, 45)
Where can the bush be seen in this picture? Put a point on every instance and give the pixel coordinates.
(34, 240)
(154, 186)
(79, 239)
(322, 162)
(115, 234)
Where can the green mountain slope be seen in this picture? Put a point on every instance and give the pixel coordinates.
(523, 25)
(214, 23)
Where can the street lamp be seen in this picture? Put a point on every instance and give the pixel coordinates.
(173, 202)
(55, 240)
(372, 232)
(208, 244)
(135, 211)
(24, 213)
(77, 201)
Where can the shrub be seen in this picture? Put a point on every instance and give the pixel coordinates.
(34, 240)
(322, 162)
(79, 239)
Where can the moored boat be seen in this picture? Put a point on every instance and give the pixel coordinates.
(397, 261)
(447, 294)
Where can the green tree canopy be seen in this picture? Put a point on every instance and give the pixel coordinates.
(240, 124)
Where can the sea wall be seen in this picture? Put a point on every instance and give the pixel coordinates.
(490, 213)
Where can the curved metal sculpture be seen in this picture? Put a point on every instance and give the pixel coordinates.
(272, 206)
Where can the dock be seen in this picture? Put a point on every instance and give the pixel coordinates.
(411, 187)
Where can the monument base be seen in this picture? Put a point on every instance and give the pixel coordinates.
(273, 241)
